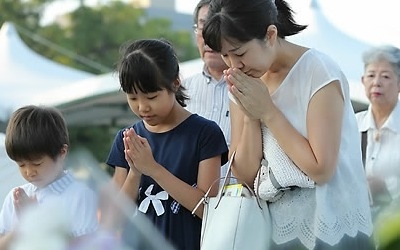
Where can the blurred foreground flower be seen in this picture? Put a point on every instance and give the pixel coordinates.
(44, 228)
(388, 229)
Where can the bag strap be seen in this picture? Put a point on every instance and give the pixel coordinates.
(364, 146)
(227, 174)
(272, 178)
(364, 141)
(204, 198)
(220, 192)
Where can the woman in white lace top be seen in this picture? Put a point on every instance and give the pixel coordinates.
(292, 104)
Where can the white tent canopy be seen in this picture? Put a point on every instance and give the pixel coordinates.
(24, 74)
(99, 101)
(102, 84)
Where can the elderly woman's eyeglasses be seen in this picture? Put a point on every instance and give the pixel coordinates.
(197, 29)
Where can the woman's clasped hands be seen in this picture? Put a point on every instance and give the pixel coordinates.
(251, 94)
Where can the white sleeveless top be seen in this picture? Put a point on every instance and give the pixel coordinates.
(341, 206)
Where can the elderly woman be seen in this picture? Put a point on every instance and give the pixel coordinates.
(380, 124)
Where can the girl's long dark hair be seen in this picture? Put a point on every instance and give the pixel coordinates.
(150, 65)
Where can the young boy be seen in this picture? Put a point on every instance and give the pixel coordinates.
(37, 140)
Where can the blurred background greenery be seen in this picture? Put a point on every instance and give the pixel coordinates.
(91, 33)
(89, 38)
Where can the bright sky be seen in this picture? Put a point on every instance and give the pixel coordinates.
(369, 20)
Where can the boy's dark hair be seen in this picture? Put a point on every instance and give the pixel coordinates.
(35, 131)
(150, 65)
(244, 20)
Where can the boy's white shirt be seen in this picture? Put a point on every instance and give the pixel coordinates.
(78, 202)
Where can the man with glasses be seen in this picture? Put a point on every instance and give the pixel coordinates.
(207, 90)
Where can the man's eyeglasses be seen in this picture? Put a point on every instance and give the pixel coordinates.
(197, 30)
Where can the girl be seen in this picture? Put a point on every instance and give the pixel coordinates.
(171, 157)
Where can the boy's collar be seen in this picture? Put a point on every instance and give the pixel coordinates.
(61, 184)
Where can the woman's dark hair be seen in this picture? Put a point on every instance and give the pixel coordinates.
(36, 131)
(245, 20)
(150, 65)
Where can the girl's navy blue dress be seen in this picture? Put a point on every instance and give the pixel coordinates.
(179, 150)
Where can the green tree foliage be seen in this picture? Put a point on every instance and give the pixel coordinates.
(96, 139)
(89, 38)
(104, 29)
(23, 12)
(109, 26)
(182, 40)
